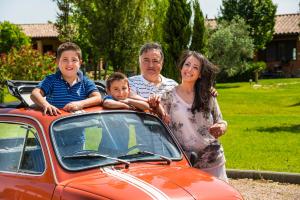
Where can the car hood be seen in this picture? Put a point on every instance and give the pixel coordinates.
(159, 182)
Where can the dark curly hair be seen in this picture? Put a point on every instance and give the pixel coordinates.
(203, 84)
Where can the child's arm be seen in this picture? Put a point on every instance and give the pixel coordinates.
(139, 104)
(37, 96)
(94, 99)
(110, 103)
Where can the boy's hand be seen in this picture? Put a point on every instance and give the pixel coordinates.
(52, 110)
(72, 106)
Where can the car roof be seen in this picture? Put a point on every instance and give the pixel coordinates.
(22, 91)
(25, 107)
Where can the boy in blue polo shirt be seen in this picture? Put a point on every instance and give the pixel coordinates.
(69, 90)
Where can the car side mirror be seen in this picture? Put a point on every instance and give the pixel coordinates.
(193, 158)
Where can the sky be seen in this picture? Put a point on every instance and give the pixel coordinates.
(42, 11)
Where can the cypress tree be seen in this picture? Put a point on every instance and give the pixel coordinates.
(199, 32)
(177, 33)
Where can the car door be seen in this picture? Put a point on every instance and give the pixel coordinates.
(25, 172)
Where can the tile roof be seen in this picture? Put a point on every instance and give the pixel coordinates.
(287, 24)
(284, 24)
(39, 30)
(211, 23)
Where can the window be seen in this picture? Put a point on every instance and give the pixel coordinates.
(20, 149)
(93, 140)
(281, 51)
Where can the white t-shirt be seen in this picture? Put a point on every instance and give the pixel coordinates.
(140, 86)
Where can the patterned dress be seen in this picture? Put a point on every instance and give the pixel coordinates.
(192, 130)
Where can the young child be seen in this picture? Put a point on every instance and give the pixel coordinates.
(67, 89)
(118, 90)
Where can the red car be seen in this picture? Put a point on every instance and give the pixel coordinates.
(95, 154)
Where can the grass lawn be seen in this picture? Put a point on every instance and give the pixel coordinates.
(264, 124)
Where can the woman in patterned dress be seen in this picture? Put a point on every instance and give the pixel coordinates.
(195, 116)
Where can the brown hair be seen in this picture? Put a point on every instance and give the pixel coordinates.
(117, 76)
(68, 46)
(203, 83)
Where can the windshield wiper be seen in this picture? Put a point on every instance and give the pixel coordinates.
(92, 154)
(145, 153)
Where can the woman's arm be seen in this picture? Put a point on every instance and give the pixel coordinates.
(220, 126)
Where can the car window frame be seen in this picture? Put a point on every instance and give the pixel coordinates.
(20, 123)
(57, 154)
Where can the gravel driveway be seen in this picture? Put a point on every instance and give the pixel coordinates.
(266, 190)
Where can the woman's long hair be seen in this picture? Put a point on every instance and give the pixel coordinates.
(203, 84)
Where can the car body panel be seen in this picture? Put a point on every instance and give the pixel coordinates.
(141, 180)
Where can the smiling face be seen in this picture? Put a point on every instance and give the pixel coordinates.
(69, 64)
(119, 89)
(151, 64)
(191, 69)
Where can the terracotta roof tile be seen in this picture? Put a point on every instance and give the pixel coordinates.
(287, 24)
(284, 24)
(211, 23)
(39, 30)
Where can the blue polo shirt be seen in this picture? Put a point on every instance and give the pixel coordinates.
(58, 92)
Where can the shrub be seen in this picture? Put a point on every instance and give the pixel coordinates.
(25, 64)
(252, 71)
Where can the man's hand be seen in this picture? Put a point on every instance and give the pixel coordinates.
(154, 101)
(213, 92)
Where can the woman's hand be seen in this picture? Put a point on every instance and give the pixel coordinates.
(217, 130)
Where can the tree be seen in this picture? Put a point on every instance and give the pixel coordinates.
(199, 38)
(67, 29)
(258, 14)
(114, 29)
(230, 46)
(177, 33)
(11, 36)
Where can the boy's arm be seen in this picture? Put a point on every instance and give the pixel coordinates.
(37, 96)
(94, 99)
(110, 103)
(139, 104)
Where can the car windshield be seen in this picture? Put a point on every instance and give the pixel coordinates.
(98, 139)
